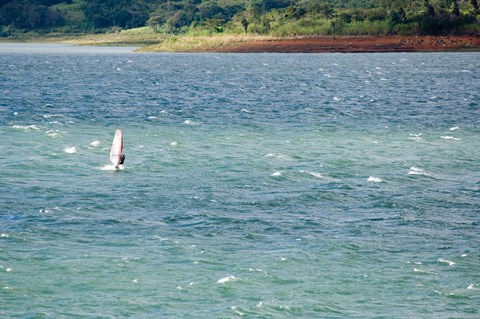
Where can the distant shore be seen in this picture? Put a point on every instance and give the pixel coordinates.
(357, 44)
(150, 42)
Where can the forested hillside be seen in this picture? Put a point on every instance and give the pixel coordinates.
(273, 17)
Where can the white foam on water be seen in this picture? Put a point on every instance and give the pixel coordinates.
(416, 136)
(277, 174)
(446, 137)
(278, 156)
(26, 127)
(49, 116)
(226, 279)
(235, 309)
(417, 171)
(336, 98)
(422, 271)
(3, 235)
(173, 143)
(445, 261)
(454, 128)
(472, 287)
(374, 179)
(70, 150)
(190, 122)
(111, 167)
(53, 133)
(245, 111)
(95, 144)
(314, 174)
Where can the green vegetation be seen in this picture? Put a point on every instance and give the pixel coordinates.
(252, 17)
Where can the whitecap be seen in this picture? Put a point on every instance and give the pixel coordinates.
(450, 138)
(422, 271)
(95, 144)
(416, 136)
(47, 116)
(3, 235)
(374, 179)
(226, 279)
(336, 98)
(70, 150)
(278, 156)
(277, 174)
(245, 111)
(26, 127)
(173, 143)
(190, 122)
(454, 128)
(314, 174)
(417, 171)
(111, 167)
(445, 261)
(53, 133)
(472, 287)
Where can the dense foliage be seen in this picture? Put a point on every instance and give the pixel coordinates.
(276, 17)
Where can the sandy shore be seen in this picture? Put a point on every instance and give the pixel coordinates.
(357, 44)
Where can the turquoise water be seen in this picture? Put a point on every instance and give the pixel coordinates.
(254, 186)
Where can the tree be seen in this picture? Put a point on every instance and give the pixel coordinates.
(244, 24)
(474, 4)
(455, 8)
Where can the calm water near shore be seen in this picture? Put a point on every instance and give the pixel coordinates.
(254, 186)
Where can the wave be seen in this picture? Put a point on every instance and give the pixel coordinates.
(26, 127)
(95, 144)
(277, 174)
(226, 279)
(416, 137)
(278, 156)
(70, 150)
(111, 167)
(190, 122)
(314, 174)
(53, 133)
(447, 137)
(445, 261)
(374, 179)
(418, 171)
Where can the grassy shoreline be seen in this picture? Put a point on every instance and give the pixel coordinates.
(148, 41)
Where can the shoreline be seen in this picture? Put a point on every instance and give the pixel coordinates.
(355, 44)
(269, 44)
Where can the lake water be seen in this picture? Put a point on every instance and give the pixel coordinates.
(254, 186)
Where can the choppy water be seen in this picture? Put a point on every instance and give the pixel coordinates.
(255, 186)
